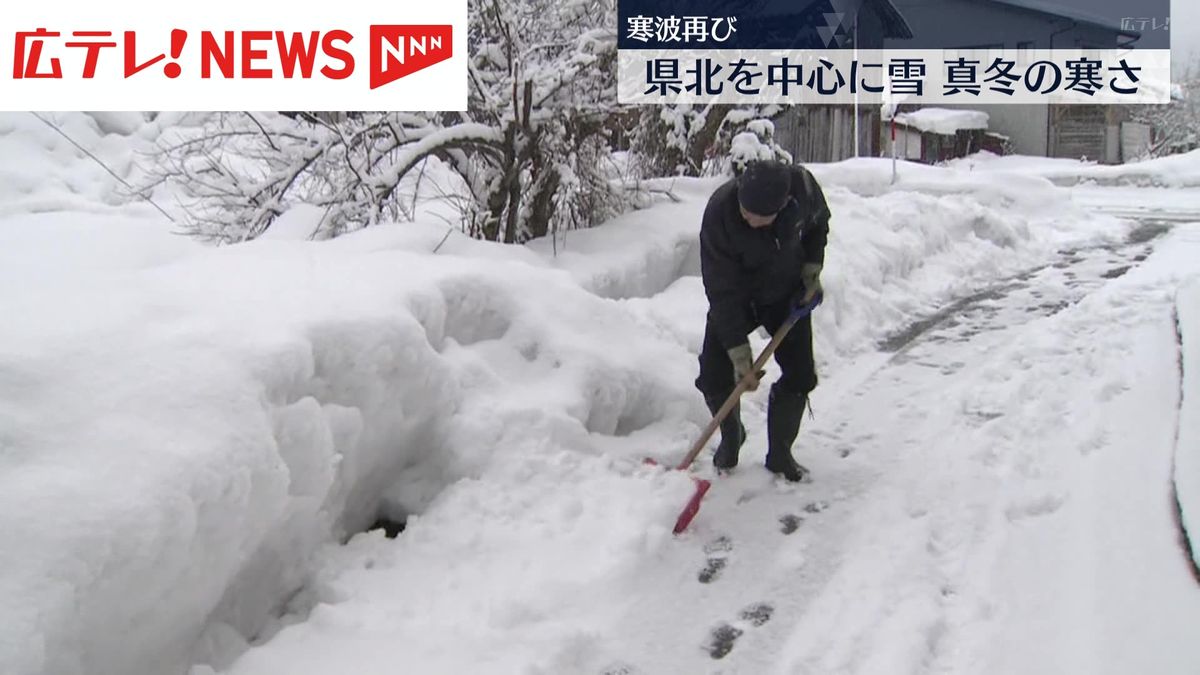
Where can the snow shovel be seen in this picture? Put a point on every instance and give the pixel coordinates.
(693, 506)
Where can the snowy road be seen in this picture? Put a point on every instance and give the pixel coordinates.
(929, 465)
(194, 439)
(991, 496)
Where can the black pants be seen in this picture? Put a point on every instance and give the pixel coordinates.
(794, 356)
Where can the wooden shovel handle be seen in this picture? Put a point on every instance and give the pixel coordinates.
(730, 402)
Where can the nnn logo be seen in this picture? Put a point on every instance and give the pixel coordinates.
(397, 51)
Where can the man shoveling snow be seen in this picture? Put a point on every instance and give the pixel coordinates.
(762, 247)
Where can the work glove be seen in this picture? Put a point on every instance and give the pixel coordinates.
(743, 363)
(810, 276)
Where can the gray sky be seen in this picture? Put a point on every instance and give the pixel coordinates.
(1185, 33)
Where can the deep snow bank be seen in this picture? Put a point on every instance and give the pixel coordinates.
(189, 432)
(897, 251)
(182, 427)
(1187, 456)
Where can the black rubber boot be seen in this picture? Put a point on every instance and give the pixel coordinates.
(784, 412)
(733, 435)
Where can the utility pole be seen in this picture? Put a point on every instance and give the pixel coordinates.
(856, 88)
(893, 148)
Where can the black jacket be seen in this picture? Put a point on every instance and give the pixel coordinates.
(744, 267)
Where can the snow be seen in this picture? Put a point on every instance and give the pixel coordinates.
(298, 222)
(746, 147)
(943, 121)
(1109, 574)
(41, 171)
(194, 440)
(1174, 171)
(459, 133)
(282, 387)
(1187, 458)
(755, 143)
(1177, 204)
(117, 122)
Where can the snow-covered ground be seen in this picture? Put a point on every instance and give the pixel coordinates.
(1187, 459)
(193, 441)
(1175, 171)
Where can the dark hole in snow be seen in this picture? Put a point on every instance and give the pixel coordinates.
(391, 528)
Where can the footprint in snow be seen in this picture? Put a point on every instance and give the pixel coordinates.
(717, 550)
(747, 496)
(790, 523)
(712, 570)
(758, 614)
(1033, 508)
(722, 638)
(722, 544)
(817, 506)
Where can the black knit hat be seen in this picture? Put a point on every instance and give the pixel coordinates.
(763, 188)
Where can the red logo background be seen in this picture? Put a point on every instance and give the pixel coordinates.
(409, 39)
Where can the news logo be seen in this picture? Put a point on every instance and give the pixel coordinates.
(358, 55)
(397, 51)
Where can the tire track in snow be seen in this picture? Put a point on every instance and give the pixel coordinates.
(949, 515)
(874, 576)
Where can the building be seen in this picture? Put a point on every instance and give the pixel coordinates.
(934, 135)
(825, 133)
(1072, 131)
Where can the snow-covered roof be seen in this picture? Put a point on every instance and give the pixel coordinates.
(943, 120)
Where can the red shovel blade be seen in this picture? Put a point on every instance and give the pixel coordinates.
(693, 505)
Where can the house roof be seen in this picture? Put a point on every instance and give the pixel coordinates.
(1067, 12)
